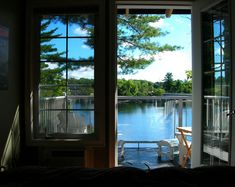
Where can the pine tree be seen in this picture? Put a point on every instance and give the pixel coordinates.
(137, 41)
(50, 76)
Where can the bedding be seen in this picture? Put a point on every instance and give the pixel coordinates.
(220, 176)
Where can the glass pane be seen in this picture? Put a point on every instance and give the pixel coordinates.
(217, 51)
(80, 49)
(80, 122)
(81, 25)
(66, 88)
(80, 70)
(218, 28)
(66, 121)
(49, 122)
(53, 49)
(81, 102)
(81, 84)
(47, 92)
(216, 86)
(81, 89)
(53, 26)
(52, 73)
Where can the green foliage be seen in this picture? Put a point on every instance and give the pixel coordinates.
(137, 88)
(147, 88)
(168, 82)
(136, 40)
(189, 74)
(52, 72)
(81, 86)
(137, 46)
(177, 86)
(48, 51)
(50, 78)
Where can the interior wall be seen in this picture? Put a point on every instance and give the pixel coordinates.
(11, 16)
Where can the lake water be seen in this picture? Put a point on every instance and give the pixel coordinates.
(146, 121)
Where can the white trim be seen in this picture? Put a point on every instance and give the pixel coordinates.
(196, 97)
(154, 6)
(141, 2)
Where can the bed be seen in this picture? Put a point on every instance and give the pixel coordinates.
(118, 176)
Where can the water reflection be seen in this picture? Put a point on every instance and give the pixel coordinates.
(147, 121)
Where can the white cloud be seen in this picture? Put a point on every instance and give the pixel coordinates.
(85, 47)
(80, 31)
(176, 62)
(84, 72)
(157, 24)
(161, 23)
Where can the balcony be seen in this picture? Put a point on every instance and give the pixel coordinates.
(142, 120)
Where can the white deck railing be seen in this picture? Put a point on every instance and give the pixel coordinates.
(51, 107)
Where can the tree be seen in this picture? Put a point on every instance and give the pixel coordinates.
(138, 88)
(168, 82)
(136, 40)
(50, 76)
(189, 74)
(137, 46)
(188, 82)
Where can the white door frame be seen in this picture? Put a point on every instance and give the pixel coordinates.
(113, 100)
(197, 7)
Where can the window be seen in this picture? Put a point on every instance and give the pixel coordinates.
(66, 86)
(67, 77)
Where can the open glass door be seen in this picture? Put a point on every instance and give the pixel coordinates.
(216, 84)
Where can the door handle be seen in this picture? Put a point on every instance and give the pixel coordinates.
(231, 113)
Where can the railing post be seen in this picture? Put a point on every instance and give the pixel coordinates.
(180, 114)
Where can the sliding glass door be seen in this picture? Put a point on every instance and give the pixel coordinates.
(216, 84)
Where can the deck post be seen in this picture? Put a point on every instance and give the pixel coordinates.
(180, 114)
